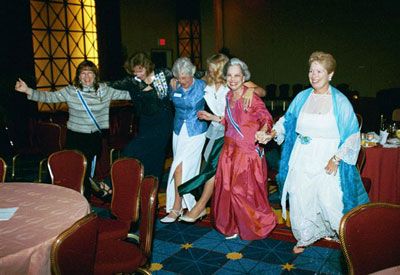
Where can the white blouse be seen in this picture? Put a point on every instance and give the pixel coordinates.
(216, 102)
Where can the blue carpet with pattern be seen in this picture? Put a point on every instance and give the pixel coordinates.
(181, 248)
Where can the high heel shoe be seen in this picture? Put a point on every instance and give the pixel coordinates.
(192, 220)
(168, 219)
(101, 190)
(234, 236)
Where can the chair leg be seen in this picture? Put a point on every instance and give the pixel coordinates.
(41, 169)
(112, 151)
(143, 270)
(14, 161)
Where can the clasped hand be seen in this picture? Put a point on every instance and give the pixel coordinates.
(263, 137)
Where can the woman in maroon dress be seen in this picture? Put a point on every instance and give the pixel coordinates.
(239, 205)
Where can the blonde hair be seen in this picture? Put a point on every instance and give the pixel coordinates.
(215, 66)
(325, 59)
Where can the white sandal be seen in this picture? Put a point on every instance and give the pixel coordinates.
(169, 219)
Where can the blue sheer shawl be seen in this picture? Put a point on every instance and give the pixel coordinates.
(350, 181)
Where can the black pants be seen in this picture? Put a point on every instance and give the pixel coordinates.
(90, 146)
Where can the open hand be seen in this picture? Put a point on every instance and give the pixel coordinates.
(331, 167)
(248, 98)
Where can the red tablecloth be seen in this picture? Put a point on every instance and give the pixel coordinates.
(382, 166)
(44, 211)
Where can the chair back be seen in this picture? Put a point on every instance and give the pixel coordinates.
(297, 88)
(3, 170)
(50, 137)
(67, 168)
(284, 91)
(271, 91)
(396, 114)
(148, 204)
(126, 176)
(369, 237)
(74, 250)
(360, 121)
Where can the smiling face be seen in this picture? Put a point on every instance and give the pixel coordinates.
(140, 72)
(234, 77)
(185, 80)
(319, 77)
(87, 77)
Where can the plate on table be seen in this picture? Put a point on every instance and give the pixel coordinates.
(395, 141)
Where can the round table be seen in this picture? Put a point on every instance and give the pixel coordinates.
(44, 211)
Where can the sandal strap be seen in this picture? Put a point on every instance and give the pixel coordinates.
(177, 213)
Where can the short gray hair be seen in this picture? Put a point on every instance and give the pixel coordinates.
(242, 65)
(183, 65)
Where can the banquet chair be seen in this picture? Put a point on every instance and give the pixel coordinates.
(74, 250)
(126, 177)
(360, 165)
(117, 256)
(369, 237)
(396, 114)
(47, 138)
(3, 170)
(50, 138)
(67, 168)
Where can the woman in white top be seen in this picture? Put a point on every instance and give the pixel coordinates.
(202, 186)
(317, 168)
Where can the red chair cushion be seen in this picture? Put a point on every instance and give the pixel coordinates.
(112, 229)
(116, 256)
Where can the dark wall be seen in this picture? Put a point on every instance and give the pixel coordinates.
(15, 61)
(111, 56)
(276, 37)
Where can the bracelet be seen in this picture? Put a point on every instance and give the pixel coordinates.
(335, 160)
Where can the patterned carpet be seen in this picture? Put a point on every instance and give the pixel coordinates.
(181, 248)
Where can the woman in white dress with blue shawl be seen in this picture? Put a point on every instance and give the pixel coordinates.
(317, 169)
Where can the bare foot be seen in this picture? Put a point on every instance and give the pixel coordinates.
(298, 249)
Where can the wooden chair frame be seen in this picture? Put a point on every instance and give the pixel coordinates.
(4, 168)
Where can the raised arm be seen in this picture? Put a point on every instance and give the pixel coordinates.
(22, 87)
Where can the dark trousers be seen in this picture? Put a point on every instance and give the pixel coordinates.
(90, 146)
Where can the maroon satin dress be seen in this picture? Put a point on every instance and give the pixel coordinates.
(239, 203)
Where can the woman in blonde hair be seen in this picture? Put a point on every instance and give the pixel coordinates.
(216, 90)
(317, 169)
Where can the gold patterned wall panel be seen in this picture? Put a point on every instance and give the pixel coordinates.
(64, 34)
(189, 40)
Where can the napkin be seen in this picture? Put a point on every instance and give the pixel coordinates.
(7, 213)
(383, 136)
